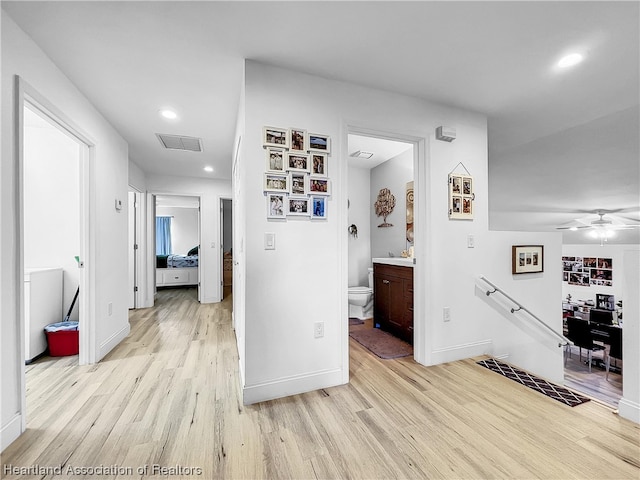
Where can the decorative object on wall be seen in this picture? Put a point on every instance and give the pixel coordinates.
(296, 180)
(461, 194)
(298, 206)
(527, 259)
(586, 271)
(409, 198)
(318, 208)
(384, 205)
(353, 230)
(275, 137)
(275, 205)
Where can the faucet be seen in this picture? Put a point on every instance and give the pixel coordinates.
(391, 255)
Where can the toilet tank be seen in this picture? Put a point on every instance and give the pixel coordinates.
(370, 277)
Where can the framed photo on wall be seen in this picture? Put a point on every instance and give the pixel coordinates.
(319, 143)
(319, 164)
(527, 259)
(299, 206)
(276, 203)
(298, 140)
(319, 208)
(297, 162)
(275, 137)
(461, 196)
(319, 186)
(277, 182)
(276, 159)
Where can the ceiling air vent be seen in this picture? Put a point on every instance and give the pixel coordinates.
(178, 142)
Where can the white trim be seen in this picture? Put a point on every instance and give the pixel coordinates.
(221, 247)
(293, 385)
(11, 431)
(462, 351)
(629, 409)
(113, 341)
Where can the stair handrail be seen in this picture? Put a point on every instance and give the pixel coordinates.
(565, 340)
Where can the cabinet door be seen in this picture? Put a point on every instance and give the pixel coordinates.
(381, 301)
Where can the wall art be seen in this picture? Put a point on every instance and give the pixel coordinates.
(527, 259)
(384, 205)
(275, 137)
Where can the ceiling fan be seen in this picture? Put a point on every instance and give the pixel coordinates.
(605, 220)
(603, 224)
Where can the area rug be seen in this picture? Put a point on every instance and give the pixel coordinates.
(383, 344)
(355, 321)
(556, 392)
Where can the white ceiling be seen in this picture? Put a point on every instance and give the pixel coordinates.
(382, 149)
(133, 58)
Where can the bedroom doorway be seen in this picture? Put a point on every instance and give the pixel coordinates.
(226, 244)
(177, 242)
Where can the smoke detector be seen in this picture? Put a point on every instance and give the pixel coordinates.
(179, 142)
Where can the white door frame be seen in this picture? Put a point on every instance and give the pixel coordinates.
(137, 252)
(25, 94)
(422, 248)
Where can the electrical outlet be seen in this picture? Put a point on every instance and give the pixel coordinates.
(446, 314)
(318, 329)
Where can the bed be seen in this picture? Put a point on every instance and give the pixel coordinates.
(176, 270)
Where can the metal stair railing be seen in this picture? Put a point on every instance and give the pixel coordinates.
(496, 289)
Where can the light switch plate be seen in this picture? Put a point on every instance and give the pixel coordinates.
(269, 241)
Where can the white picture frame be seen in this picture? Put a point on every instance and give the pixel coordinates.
(275, 137)
(277, 182)
(298, 140)
(319, 185)
(318, 164)
(319, 142)
(276, 159)
(297, 162)
(276, 204)
(299, 183)
(319, 207)
(298, 206)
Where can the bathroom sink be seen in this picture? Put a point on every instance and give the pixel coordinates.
(400, 261)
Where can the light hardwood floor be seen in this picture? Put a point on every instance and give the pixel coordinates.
(169, 396)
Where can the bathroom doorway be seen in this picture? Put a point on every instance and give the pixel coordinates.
(380, 219)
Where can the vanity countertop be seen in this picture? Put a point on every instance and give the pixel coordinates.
(400, 261)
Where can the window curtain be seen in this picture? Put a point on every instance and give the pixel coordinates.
(163, 235)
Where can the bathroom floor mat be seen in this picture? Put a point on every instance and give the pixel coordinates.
(383, 344)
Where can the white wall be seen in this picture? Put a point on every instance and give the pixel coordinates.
(305, 279)
(393, 174)
(52, 203)
(359, 214)
(107, 282)
(210, 192)
(184, 227)
(629, 406)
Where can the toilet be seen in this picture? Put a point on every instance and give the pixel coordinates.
(361, 300)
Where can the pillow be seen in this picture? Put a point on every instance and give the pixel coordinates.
(193, 251)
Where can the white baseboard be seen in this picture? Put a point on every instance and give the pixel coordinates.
(285, 387)
(11, 431)
(113, 341)
(629, 409)
(461, 351)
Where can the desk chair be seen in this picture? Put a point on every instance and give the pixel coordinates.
(579, 332)
(615, 347)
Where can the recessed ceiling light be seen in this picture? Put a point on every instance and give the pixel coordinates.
(570, 60)
(208, 169)
(169, 114)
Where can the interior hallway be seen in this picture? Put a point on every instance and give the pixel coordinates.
(169, 395)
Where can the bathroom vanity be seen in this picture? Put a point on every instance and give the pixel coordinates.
(393, 296)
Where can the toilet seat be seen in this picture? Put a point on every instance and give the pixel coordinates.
(360, 290)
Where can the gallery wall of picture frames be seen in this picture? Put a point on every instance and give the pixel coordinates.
(296, 179)
(587, 271)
